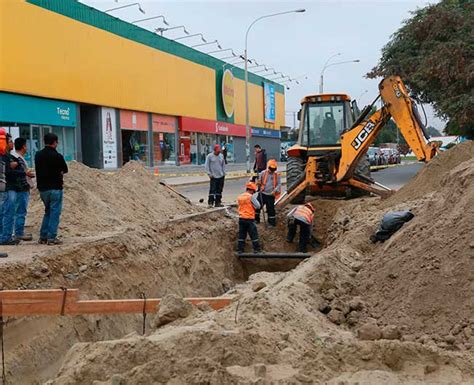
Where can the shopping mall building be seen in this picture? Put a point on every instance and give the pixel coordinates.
(113, 91)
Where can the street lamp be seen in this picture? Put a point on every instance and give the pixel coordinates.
(196, 34)
(161, 30)
(321, 83)
(210, 42)
(126, 6)
(151, 18)
(224, 50)
(247, 116)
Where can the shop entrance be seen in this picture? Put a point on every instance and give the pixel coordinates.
(134, 146)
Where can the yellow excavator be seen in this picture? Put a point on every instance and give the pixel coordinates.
(330, 158)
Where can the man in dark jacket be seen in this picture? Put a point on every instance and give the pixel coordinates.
(260, 159)
(50, 168)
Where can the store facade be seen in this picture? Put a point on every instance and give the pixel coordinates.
(145, 98)
(197, 138)
(30, 118)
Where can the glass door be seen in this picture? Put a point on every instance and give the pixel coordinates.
(36, 142)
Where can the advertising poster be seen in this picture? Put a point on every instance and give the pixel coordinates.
(269, 95)
(109, 138)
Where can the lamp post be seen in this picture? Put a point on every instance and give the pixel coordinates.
(151, 18)
(126, 6)
(321, 83)
(247, 116)
(161, 30)
(196, 34)
(210, 42)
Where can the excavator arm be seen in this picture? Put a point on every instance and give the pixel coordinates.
(398, 105)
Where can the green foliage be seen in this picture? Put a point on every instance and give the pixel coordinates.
(433, 52)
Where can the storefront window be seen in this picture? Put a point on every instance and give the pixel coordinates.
(134, 146)
(69, 144)
(164, 147)
(194, 148)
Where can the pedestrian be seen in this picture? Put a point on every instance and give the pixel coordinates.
(247, 205)
(22, 189)
(3, 181)
(224, 152)
(302, 216)
(260, 159)
(13, 174)
(270, 190)
(50, 169)
(215, 168)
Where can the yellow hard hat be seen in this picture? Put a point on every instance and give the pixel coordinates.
(272, 163)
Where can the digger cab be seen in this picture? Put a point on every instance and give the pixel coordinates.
(323, 118)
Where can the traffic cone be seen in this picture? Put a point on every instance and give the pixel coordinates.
(155, 171)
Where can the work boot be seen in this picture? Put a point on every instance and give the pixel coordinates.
(11, 242)
(24, 237)
(3, 255)
(219, 205)
(54, 241)
(42, 241)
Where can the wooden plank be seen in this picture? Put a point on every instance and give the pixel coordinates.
(43, 295)
(50, 302)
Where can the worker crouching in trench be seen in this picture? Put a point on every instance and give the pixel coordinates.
(301, 216)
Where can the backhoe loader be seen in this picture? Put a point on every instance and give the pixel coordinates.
(329, 157)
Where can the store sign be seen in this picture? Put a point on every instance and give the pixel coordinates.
(133, 120)
(228, 93)
(211, 127)
(265, 133)
(269, 101)
(28, 109)
(109, 138)
(164, 123)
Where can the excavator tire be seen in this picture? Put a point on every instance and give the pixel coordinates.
(295, 174)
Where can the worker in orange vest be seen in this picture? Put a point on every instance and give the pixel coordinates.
(269, 182)
(247, 204)
(303, 217)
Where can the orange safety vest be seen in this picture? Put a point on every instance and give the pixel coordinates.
(275, 181)
(246, 209)
(303, 212)
(3, 141)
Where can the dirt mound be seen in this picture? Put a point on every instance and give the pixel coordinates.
(96, 201)
(428, 179)
(422, 278)
(354, 313)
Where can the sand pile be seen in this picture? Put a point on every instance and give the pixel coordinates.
(422, 279)
(355, 313)
(100, 202)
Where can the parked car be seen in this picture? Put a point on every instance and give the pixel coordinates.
(391, 156)
(373, 155)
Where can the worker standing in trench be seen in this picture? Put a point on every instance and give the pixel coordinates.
(302, 216)
(270, 190)
(247, 205)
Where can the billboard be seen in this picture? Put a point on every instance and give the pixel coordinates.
(109, 138)
(269, 101)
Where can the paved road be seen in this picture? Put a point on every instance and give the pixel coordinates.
(393, 178)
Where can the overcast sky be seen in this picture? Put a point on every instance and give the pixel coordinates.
(296, 44)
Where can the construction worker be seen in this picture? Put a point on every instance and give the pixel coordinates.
(270, 189)
(303, 217)
(248, 203)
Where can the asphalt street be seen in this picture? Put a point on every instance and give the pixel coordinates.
(394, 178)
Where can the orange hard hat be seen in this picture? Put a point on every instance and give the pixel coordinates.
(272, 163)
(310, 206)
(251, 186)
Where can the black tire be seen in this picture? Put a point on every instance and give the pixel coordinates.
(295, 174)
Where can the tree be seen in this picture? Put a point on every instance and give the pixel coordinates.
(434, 54)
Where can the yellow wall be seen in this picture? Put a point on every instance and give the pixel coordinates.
(256, 106)
(43, 53)
(46, 54)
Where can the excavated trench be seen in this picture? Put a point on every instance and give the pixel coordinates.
(190, 258)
